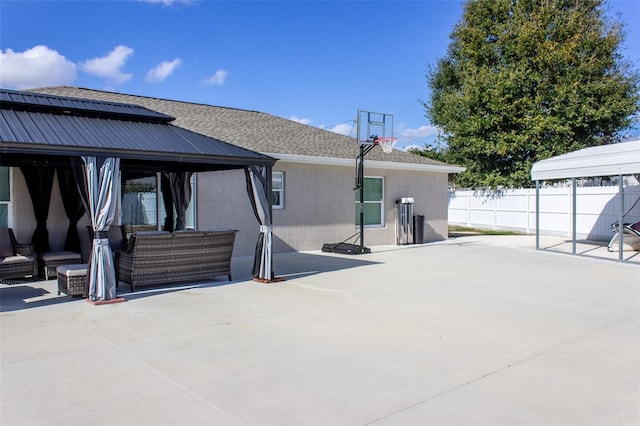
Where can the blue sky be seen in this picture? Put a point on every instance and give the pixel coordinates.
(317, 62)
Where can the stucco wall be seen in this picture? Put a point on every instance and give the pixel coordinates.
(223, 202)
(429, 191)
(24, 222)
(319, 207)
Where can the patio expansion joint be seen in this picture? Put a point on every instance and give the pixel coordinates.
(506, 367)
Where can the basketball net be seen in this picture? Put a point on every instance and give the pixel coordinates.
(386, 143)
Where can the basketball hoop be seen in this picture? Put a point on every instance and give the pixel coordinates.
(386, 143)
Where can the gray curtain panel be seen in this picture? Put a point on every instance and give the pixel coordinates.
(101, 179)
(257, 187)
(181, 192)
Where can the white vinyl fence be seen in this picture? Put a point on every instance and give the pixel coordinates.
(597, 208)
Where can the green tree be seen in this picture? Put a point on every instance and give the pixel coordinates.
(524, 80)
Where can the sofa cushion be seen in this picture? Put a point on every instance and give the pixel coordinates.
(6, 246)
(16, 259)
(55, 256)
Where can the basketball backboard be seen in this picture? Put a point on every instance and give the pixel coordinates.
(371, 124)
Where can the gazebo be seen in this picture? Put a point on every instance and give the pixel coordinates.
(619, 159)
(89, 143)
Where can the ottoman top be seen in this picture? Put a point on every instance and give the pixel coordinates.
(73, 270)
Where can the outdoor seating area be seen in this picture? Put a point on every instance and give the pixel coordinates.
(16, 260)
(154, 258)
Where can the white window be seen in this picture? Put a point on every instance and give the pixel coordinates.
(373, 202)
(142, 206)
(5, 197)
(277, 190)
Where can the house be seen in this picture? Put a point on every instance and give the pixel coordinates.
(312, 183)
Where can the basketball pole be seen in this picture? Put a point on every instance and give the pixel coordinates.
(364, 150)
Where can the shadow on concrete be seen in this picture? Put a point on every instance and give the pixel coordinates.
(15, 297)
(124, 289)
(286, 266)
(34, 294)
(596, 249)
(297, 265)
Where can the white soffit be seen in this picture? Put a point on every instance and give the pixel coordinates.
(607, 160)
(329, 161)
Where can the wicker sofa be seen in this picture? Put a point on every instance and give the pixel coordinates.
(156, 258)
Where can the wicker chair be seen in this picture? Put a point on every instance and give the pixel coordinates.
(16, 260)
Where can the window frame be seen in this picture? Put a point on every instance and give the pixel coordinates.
(281, 205)
(382, 223)
(158, 211)
(9, 202)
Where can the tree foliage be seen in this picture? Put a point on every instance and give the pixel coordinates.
(524, 80)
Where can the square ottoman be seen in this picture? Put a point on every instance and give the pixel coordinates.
(51, 260)
(72, 280)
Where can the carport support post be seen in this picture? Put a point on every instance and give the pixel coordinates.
(537, 215)
(621, 218)
(574, 217)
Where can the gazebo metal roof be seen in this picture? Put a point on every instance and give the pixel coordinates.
(36, 127)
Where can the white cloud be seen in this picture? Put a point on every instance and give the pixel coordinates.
(163, 70)
(342, 128)
(300, 120)
(420, 132)
(35, 67)
(110, 66)
(217, 79)
(413, 146)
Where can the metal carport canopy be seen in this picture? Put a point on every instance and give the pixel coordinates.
(617, 159)
(606, 160)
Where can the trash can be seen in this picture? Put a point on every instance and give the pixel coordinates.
(418, 229)
(404, 221)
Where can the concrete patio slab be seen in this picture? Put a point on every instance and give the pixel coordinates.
(473, 330)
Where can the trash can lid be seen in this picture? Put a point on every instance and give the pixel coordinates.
(406, 200)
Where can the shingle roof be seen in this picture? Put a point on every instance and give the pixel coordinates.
(253, 130)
